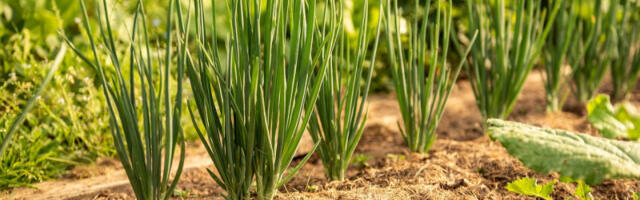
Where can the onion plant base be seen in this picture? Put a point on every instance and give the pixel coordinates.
(255, 104)
(423, 79)
(340, 113)
(508, 46)
(145, 124)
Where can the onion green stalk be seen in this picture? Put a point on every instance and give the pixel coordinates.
(340, 113)
(422, 77)
(592, 52)
(626, 63)
(557, 47)
(146, 147)
(509, 44)
(228, 136)
(255, 104)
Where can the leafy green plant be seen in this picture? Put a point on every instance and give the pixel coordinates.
(626, 60)
(256, 104)
(359, 161)
(29, 28)
(146, 147)
(583, 191)
(557, 47)
(619, 121)
(422, 78)
(186, 194)
(340, 114)
(578, 156)
(591, 53)
(8, 137)
(35, 127)
(395, 157)
(508, 46)
(528, 186)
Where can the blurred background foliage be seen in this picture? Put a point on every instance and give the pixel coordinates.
(69, 124)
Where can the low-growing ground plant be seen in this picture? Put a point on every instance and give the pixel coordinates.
(529, 187)
(28, 157)
(340, 113)
(146, 146)
(558, 45)
(592, 51)
(422, 77)
(508, 46)
(255, 104)
(626, 62)
(8, 137)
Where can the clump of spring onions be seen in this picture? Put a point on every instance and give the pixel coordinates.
(146, 147)
(626, 63)
(592, 52)
(508, 46)
(255, 104)
(557, 47)
(340, 113)
(422, 77)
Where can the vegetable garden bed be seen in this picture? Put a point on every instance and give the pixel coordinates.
(462, 164)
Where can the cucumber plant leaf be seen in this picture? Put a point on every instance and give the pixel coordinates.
(528, 186)
(619, 121)
(578, 156)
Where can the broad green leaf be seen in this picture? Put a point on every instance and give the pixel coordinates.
(528, 186)
(628, 115)
(620, 121)
(578, 156)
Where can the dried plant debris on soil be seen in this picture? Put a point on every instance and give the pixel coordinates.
(463, 163)
(477, 169)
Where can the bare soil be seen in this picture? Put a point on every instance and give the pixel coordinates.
(462, 164)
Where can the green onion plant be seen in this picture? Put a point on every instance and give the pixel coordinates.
(146, 145)
(592, 52)
(508, 47)
(557, 47)
(340, 113)
(255, 99)
(626, 61)
(421, 75)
